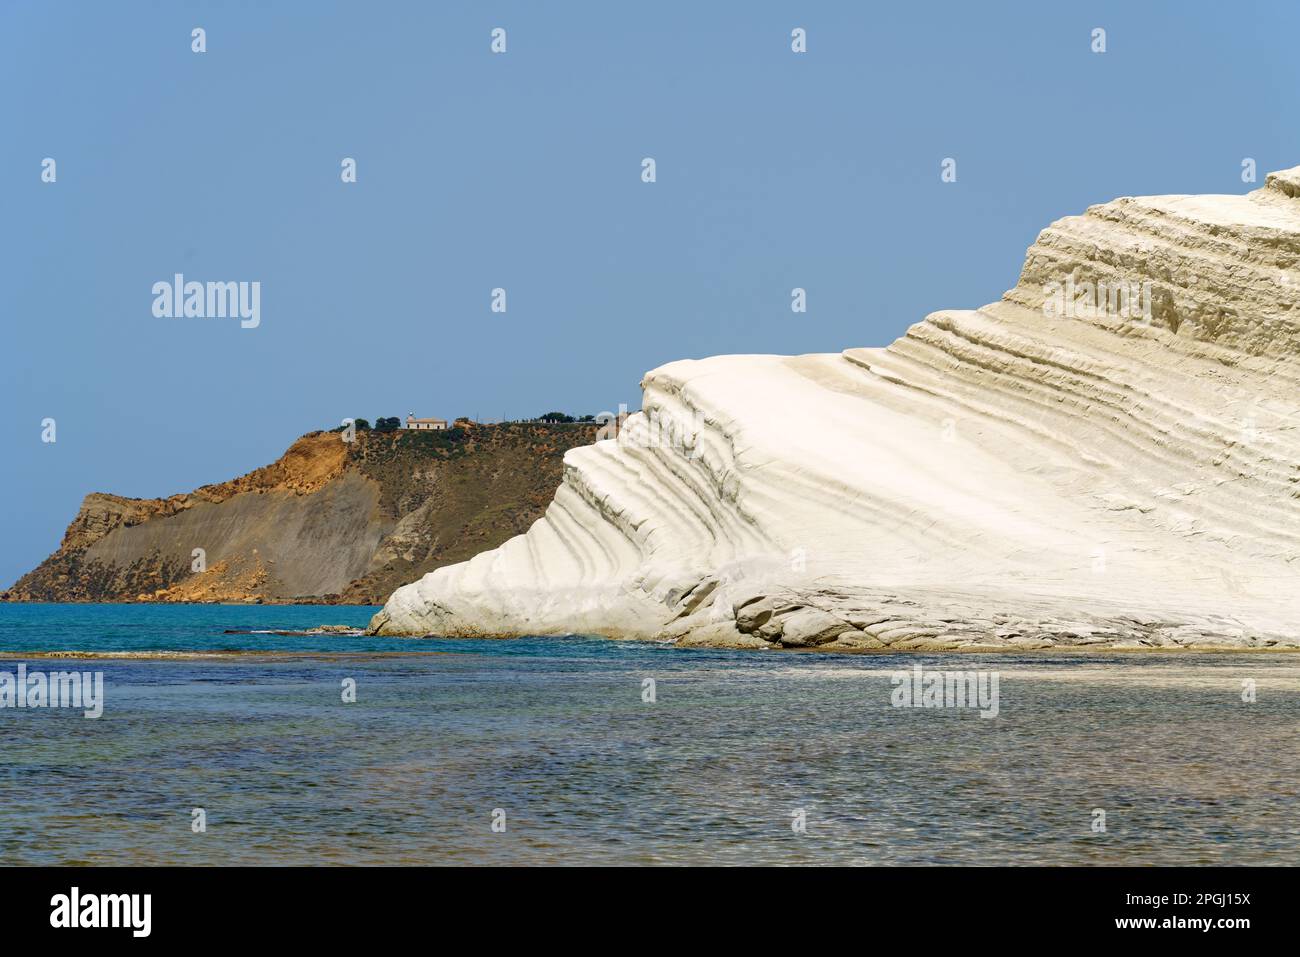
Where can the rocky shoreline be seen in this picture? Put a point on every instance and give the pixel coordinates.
(331, 522)
(847, 621)
(852, 620)
(1020, 476)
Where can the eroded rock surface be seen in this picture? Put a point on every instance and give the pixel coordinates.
(1018, 476)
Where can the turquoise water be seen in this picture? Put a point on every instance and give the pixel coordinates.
(555, 733)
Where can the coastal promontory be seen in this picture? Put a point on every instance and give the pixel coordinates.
(1107, 457)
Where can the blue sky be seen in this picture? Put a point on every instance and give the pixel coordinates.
(523, 171)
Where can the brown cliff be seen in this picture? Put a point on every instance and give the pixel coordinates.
(329, 521)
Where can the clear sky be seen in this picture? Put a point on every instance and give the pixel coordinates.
(523, 171)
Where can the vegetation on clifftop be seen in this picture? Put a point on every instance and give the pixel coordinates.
(330, 520)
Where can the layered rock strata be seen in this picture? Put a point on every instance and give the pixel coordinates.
(1107, 457)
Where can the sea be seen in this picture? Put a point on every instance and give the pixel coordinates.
(221, 742)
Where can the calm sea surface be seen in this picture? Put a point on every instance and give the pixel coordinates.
(554, 733)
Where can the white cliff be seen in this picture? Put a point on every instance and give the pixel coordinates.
(1035, 473)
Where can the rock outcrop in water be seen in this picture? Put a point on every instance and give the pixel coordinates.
(329, 521)
(1109, 456)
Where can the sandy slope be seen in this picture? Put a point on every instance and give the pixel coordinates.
(1002, 477)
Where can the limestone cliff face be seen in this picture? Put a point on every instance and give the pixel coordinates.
(1108, 456)
(328, 521)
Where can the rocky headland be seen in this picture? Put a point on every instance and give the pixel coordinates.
(1107, 458)
(330, 521)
